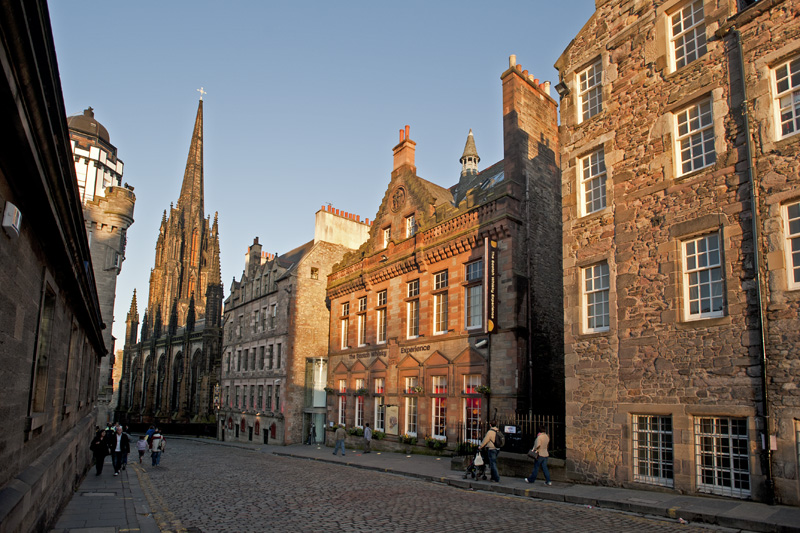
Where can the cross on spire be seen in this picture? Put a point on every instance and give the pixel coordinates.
(202, 92)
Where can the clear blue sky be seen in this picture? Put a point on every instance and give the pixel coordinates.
(304, 104)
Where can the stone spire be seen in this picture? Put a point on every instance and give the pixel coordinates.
(132, 322)
(191, 198)
(469, 160)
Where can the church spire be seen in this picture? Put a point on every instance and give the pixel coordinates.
(469, 160)
(191, 198)
(132, 322)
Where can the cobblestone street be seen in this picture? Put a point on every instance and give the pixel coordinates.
(202, 487)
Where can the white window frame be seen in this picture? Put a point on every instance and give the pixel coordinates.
(411, 415)
(787, 97)
(342, 409)
(362, 329)
(694, 137)
(343, 333)
(791, 225)
(472, 408)
(471, 383)
(440, 280)
(473, 295)
(359, 421)
(411, 226)
(342, 386)
(687, 34)
(439, 407)
(590, 91)
(596, 297)
(387, 236)
(362, 304)
(412, 310)
(703, 277)
(380, 319)
(722, 456)
(411, 382)
(653, 452)
(380, 413)
(593, 179)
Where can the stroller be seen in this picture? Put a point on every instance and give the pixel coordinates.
(477, 472)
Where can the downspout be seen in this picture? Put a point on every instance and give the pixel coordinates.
(751, 177)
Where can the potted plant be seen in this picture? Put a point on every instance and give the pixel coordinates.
(361, 392)
(405, 438)
(378, 435)
(435, 444)
(483, 389)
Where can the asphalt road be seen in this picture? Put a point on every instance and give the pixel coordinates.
(201, 487)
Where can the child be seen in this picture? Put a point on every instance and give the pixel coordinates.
(141, 445)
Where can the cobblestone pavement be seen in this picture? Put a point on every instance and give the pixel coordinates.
(214, 488)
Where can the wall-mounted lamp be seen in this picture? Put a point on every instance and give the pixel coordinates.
(482, 343)
(384, 258)
(562, 89)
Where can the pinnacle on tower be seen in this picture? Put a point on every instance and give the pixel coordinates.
(192, 189)
(470, 159)
(133, 313)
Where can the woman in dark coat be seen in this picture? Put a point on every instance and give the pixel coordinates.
(99, 447)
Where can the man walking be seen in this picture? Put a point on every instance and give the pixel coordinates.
(367, 438)
(489, 444)
(340, 435)
(157, 445)
(120, 448)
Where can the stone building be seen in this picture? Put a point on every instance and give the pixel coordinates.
(681, 291)
(171, 371)
(51, 338)
(447, 315)
(274, 365)
(108, 213)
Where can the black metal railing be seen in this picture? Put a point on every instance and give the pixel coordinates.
(520, 431)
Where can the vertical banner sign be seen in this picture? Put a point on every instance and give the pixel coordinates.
(490, 284)
(216, 396)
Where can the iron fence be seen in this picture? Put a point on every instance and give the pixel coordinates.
(520, 438)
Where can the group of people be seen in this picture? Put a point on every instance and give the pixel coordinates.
(341, 435)
(114, 440)
(489, 446)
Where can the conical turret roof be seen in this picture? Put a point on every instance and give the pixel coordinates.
(469, 148)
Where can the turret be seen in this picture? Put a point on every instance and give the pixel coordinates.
(469, 160)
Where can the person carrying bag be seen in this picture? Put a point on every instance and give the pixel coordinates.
(539, 454)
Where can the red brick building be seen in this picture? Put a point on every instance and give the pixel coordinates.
(439, 320)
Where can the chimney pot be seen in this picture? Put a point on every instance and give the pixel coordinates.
(358, 218)
(366, 221)
(512, 61)
(518, 67)
(408, 129)
(525, 73)
(536, 81)
(401, 135)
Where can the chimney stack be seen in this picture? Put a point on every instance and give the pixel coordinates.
(404, 151)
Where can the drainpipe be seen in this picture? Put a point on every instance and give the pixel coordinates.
(751, 177)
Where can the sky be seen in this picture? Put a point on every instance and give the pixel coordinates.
(304, 103)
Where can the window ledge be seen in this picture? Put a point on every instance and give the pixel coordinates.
(592, 334)
(695, 173)
(704, 322)
(785, 142)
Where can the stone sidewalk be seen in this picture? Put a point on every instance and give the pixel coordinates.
(106, 504)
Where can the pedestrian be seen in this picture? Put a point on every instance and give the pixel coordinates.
(149, 433)
(141, 446)
(157, 445)
(120, 448)
(312, 434)
(367, 438)
(540, 447)
(491, 450)
(340, 435)
(126, 432)
(99, 448)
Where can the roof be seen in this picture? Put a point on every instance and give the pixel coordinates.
(86, 123)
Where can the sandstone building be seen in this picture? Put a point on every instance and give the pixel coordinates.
(679, 153)
(51, 338)
(446, 315)
(108, 213)
(171, 370)
(274, 365)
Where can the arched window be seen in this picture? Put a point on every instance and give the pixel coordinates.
(195, 246)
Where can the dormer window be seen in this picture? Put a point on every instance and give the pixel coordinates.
(411, 226)
(387, 234)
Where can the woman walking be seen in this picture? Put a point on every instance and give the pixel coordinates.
(99, 447)
(540, 448)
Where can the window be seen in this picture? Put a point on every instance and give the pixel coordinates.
(695, 137)
(472, 420)
(687, 34)
(264, 319)
(380, 385)
(387, 235)
(261, 358)
(239, 361)
(440, 303)
(252, 397)
(359, 405)
(246, 357)
(273, 316)
(362, 329)
(256, 322)
(412, 311)
(792, 246)
(702, 278)
(346, 309)
(474, 295)
(590, 96)
(42, 362)
(595, 295)
(411, 226)
(721, 452)
(380, 414)
(278, 356)
(411, 415)
(238, 404)
(411, 383)
(362, 304)
(269, 398)
(439, 407)
(381, 318)
(228, 396)
(277, 397)
(314, 273)
(593, 182)
(787, 92)
(260, 404)
(345, 327)
(342, 408)
(270, 354)
(652, 450)
(342, 386)
(471, 383)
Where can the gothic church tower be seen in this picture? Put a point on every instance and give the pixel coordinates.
(187, 267)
